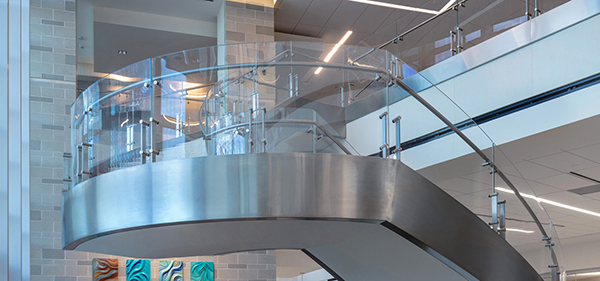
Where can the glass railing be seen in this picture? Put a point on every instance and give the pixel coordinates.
(442, 36)
(287, 97)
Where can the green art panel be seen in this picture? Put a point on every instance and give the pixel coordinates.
(202, 271)
(105, 269)
(138, 270)
(170, 271)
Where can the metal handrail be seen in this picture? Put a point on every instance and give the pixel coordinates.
(290, 121)
(486, 160)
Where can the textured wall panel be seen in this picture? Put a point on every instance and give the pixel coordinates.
(170, 271)
(105, 270)
(202, 271)
(138, 270)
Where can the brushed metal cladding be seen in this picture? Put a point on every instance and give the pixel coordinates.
(220, 196)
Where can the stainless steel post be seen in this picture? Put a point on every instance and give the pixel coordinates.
(79, 165)
(384, 148)
(143, 153)
(314, 131)
(398, 147)
(250, 141)
(296, 81)
(527, 14)
(342, 96)
(84, 157)
(502, 216)
(153, 149)
(554, 272)
(66, 171)
(291, 84)
(452, 36)
(263, 141)
(494, 194)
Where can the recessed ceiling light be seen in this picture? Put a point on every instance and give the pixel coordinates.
(550, 202)
(396, 6)
(123, 52)
(335, 49)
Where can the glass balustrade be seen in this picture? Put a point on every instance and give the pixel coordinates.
(285, 97)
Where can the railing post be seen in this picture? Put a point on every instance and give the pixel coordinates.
(342, 96)
(314, 131)
(398, 147)
(66, 171)
(143, 153)
(291, 84)
(250, 141)
(83, 157)
(296, 81)
(153, 149)
(384, 148)
(263, 141)
(502, 216)
(494, 194)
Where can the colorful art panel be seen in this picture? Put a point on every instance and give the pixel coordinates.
(170, 271)
(138, 270)
(202, 271)
(105, 270)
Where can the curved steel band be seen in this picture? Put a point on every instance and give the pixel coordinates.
(213, 193)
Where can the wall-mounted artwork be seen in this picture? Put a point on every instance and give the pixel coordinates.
(170, 271)
(138, 270)
(202, 271)
(105, 270)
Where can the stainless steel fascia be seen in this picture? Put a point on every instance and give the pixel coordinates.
(217, 194)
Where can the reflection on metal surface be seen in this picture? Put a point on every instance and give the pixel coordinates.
(270, 201)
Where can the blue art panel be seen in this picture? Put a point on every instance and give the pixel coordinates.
(202, 271)
(170, 271)
(105, 269)
(138, 270)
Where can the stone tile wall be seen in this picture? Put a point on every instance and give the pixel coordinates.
(248, 22)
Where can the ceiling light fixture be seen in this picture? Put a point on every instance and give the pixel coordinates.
(520, 230)
(446, 6)
(335, 49)
(551, 202)
(395, 6)
(587, 274)
(122, 52)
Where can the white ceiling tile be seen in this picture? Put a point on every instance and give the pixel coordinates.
(565, 181)
(535, 188)
(307, 30)
(463, 185)
(565, 197)
(591, 152)
(533, 171)
(564, 162)
(345, 15)
(291, 10)
(319, 12)
(593, 173)
(371, 19)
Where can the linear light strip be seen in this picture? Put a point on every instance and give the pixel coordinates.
(396, 6)
(446, 6)
(520, 230)
(551, 202)
(335, 49)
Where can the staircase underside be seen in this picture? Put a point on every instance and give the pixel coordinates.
(366, 218)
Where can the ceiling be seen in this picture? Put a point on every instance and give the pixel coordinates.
(538, 165)
(373, 25)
